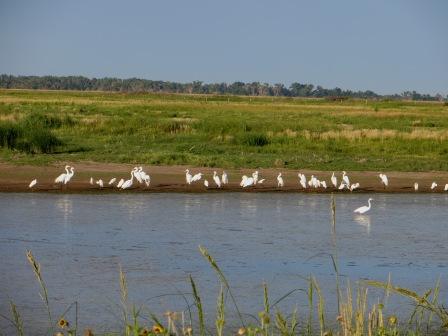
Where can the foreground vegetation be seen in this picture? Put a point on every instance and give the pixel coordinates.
(42, 127)
(356, 315)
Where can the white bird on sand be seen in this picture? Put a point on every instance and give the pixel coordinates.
(91, 180)
(446, 187)
(206, 183)
(120, 183)
(433, 186)
(246, 181)
(345, 178)
(61, 178)
(364, 208)
(100, 183)
(33, 183)
(323, 184)
(384, 180)
(216, 179)
(343, 185)
(334, 180)
(69, 176)
(196, 177)
(112, 180)
(224, 178)
(188, 176)
(354, 186)
(416, 186)
(138, 174)
(128, 183)
(261, 181)
(302, 180)
(280, 182)
(255, 176)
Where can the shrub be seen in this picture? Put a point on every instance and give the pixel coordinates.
(258, 140)
(9, 134)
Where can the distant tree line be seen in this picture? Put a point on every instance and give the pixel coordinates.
(237, 88)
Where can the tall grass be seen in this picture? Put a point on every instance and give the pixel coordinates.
(232, 132)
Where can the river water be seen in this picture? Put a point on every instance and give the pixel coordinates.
(82, 240)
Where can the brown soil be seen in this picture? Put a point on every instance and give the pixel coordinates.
(15, 178)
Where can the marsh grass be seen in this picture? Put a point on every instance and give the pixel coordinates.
(228, 131)
(356, 317)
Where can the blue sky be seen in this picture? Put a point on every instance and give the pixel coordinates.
(383, 45)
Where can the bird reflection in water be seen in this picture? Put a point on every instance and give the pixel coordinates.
(364, 221)
(65, 205)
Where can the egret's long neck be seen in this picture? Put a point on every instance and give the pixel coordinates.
(66, 170)
(369, 204)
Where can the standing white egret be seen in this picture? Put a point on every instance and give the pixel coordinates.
(433, 186)
(416, 186)
(324, 184)
(120, 183)
(100, 183)
(334, 180)
(384, 180)
(280, 182)
(255, 176)
(188, 176)
(112, 180)
(446, 187)
(216, 179)
(33, 183)
(302, 180)
(224, 178)
(128, 183)
(61, 178)
(206, 183)
(138, 174)
(345, 178)
(69, 176)
(91, 180)
(364, 208)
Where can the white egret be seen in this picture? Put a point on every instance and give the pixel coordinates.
(138, 174)
(100, 183)
(280, 182)
(446, 187)
(224, 178)
(324, 184)
(342, 186)
(433, 186)
(33, 183)
(216, 179)
(416, 186)
(354, 186)
(302, 180)
(61, 178)
(261, 181)
(364, 208)
(345, 178)
(206, 183)
(128, 183)
(188, 176)
(334, 180)
(91, 180)
(69, 176)
(246, 181)
(255, 176)
(196, 177)
(384, 180)
(112, 180)
(120, 183)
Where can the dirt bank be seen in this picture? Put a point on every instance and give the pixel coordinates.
(15, 178)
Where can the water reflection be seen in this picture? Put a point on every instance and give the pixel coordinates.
(364, 221)
(65, 205)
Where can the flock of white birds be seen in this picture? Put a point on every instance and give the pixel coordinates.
(142, 177)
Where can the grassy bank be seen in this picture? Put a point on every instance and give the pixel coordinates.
(223, 131)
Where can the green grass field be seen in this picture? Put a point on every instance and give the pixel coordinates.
(222, 131)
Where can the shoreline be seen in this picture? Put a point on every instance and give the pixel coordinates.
(16, 178)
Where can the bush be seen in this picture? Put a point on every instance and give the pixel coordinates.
(9, 134)
(258, 140)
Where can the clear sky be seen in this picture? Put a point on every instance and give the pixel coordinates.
(387, 46)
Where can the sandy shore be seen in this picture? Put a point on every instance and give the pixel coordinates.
(16, 178)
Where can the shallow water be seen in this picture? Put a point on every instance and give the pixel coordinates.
(80, 241)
